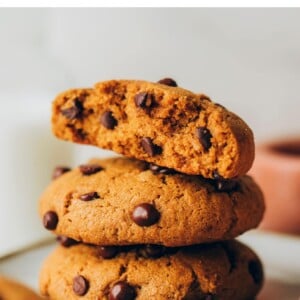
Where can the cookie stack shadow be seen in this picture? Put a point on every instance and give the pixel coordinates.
(159, 222)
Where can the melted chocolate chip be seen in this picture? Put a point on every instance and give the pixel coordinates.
(145, 214)
(168, 81)
(254, 268)
(58, 171)
(50, 220)
(122, 291)
(90, 169)
(66, 241)
(144, 100)
(79, 134)
(204, 136)
(108, 120)
(107, 251)
(154, 251)
(89, 196)
(75, 111)
(80, 285)
(150, 147)
(161, 170)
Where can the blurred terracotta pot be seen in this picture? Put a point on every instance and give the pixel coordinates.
(277, 170)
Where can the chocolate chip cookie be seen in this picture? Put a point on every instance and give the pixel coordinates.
(224, 270)
(12, 290)
(159, 123)
(121, 201)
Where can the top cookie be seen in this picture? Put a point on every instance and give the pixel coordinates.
(12, 290)
(161, 124)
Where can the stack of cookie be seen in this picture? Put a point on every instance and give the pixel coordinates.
(158, 223)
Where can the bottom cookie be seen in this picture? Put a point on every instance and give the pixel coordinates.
(224, 270)
(12, 290)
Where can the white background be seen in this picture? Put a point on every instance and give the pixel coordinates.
(247, 59)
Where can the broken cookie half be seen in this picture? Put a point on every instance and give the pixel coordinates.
(161, 124)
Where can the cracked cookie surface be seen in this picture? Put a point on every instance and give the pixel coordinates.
(161, 124)
(224, 270)
(122, 201)
(12, 290)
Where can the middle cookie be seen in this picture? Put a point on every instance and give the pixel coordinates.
(120, 201)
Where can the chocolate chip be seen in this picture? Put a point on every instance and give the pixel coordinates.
(50, 220)
(168, 81)
(89, 196)
(58, 171)
(161, 170)
(90, 169)
(145, 214)
(216, 175)
(154, 251)
(66, 241)
(204, 97)
(80, 285)
(108, 120)
(150, 147)
(107, 251)
(79, 134)
(204, 136)
(144, 100)
(226, 185)
(122, 291)
(83, 95)
(254, 268)
(75, 111)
